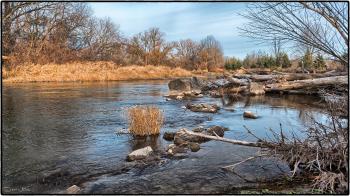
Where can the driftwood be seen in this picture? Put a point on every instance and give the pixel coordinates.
(232, 141)
(310, 83)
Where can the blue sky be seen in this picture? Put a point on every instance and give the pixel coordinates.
(183, 20)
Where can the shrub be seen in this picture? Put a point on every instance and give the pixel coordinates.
(145, 120)
(319, 62)
(232, 63)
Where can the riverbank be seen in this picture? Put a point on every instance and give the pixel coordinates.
(90, 71)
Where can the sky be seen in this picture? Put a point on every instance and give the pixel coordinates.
(182, 21)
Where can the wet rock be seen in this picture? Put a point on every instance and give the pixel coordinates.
(215, 94)
(198, 130)
(183, 139)
(140, 154)
(249, 114)
(194, 146)
(179, 85)
(208, 108)
(73, 190)
(169, 136)
(256, 89)
(220, 131)
(178, 140)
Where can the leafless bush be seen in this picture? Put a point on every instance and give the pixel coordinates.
(323, 153)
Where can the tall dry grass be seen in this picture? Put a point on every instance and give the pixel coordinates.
(89, 71)
(145, 120)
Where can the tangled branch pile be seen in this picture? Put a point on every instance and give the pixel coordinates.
(323, 155)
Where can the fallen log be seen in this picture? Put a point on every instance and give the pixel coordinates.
(232, 141)
(309, 83)
(288, 76)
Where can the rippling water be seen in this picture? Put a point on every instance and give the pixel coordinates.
(71, 126)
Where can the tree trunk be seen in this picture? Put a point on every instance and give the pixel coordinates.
(310, 83)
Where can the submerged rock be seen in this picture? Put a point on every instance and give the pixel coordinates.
(209, 108)
(249, 114)
(140, 154)
(194, 146)
(169, 136)
(261, 169)
(73, 190)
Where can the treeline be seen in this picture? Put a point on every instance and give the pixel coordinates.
(281, 60)
(59, 32)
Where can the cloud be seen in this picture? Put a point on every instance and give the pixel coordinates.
(182, 21)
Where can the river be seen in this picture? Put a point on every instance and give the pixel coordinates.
(65, 133)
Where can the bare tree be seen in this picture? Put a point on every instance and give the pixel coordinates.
(211, 53)
(322, 25)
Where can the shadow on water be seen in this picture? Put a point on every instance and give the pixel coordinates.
(67, 131)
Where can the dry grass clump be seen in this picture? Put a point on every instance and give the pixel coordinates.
(145, 120)
(89, 71)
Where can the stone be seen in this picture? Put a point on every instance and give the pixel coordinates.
(256, 89)
(249, 114)
(217, 129)
(169, 136)
(73, 189)
(179, 85)
(140, 154)
(178, 140)
(179, 97)
(194, 146)
(208, 108)
(198, 130)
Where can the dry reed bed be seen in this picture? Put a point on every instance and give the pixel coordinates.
(145, 120)
(89, 71)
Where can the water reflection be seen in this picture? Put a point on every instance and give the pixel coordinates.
(72, 125)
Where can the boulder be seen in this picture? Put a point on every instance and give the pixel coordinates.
(179, 85)
(184, 139)
(73, 190)
(140, 154)
(169, 136)
(208, 108)
(194, 146)
(249, 114)
(256, 89)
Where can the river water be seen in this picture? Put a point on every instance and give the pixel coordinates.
(65, 133)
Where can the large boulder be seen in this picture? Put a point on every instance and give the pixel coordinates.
(208, 108)
(140, 154)
(186, 84)
(180, 85)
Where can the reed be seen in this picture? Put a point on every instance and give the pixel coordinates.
(89, 71)
(145, 120)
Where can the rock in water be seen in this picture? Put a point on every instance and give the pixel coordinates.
(179, 85)
(249, 114)
(73, 189)
(217, 129)
(194, 146)
(209, 108)
(140, 154)
(256, 89)
(169, 136)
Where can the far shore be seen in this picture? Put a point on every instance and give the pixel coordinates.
(91, 71)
